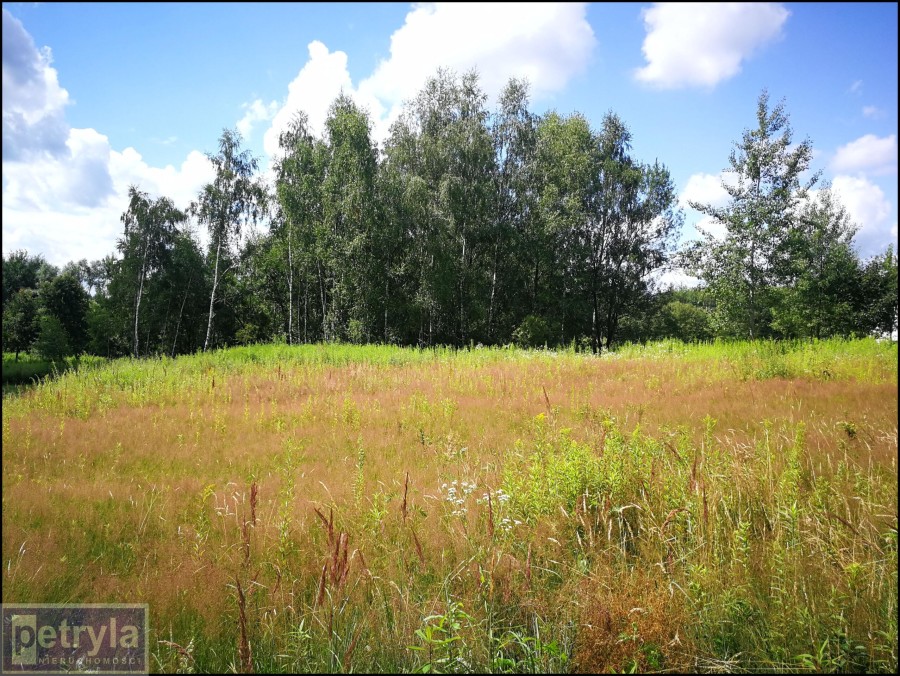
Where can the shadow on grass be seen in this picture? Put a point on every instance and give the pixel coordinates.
(22, 374)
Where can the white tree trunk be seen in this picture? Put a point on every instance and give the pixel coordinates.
(212, 296)
(290, 290)
(137, 300)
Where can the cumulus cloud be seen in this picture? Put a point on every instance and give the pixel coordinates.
(870, 210)
(180, 184)
(256, 112)
(675, 278)
(33, 102)
(70, 208)
(702, 44)
(548, 43)
(706, 189)
(869, 154)
(318, 83)
(65, 189)
(78, 179)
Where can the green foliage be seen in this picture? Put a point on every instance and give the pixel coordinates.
(471, 227)
(234, 199)
(535, 332)
(442, 649)
(820, 295)
(22, 270)
(52, 342)
(150, 230)
(31, 369)
(742, 269)
(557, 472)
(66, 300)
(683, 321)
(879, 294)
(20, 321)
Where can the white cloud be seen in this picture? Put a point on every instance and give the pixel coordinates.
(64, 189)
(870, 210)
(702, 44)
(256, 112)
(856, 87)
(869, 154)
(70, 209)
(873, 112)
(549, 43)
(33, 102)
(318, 83)
(180, 184)
(706, 189)
(708, 225)
(77, 179)
(676, 278)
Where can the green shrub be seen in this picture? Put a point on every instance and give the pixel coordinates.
(535, 332)
(52, 343)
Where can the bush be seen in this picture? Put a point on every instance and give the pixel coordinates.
(52, 342)
(535, 332)
(685, 322)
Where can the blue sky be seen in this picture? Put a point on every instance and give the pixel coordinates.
(99, 96)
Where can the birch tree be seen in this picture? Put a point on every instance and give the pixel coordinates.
(150, 227)
(234, 199)
(766, 195)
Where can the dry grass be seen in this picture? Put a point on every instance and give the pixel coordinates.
(496, 510)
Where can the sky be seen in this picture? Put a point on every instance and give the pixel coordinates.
(99, 97)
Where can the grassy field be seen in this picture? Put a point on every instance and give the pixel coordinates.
(28, 369)
(725, 507)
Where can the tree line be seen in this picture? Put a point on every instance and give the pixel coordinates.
(472, 226)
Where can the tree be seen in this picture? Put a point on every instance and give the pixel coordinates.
(879, 294)
(566, 173)
(232, 200)
(631, 229)
(518, 242)
(65, 299)
(440, 159)
(150, 228)
(299, 176)
(21, 270)
(52, 342)
(820, 292)
(20, 321)
(182, 288)
(742, 268)
(608, 222)
(348, 223)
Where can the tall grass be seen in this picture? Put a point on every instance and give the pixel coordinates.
(29, 369)
(725, 507)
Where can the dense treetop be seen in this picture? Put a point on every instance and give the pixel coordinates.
(472, 226)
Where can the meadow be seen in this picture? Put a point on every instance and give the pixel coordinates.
(28, 369)
(719, 507)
